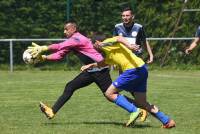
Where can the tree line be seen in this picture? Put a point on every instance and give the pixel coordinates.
(42, 19)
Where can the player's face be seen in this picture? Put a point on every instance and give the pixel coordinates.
(69, 30)
(127, 17)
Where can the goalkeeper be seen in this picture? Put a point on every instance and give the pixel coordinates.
(83, 48)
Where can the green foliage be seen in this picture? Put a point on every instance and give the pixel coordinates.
(42, 19)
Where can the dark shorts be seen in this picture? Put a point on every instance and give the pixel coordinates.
(101, 78)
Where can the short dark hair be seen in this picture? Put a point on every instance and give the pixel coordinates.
(99, 37)
(71, 22)
(127, 9)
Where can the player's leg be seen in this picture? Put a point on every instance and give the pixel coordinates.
(82, 80)
(113, 95)
(143, 112)
(140, 98)
(103, 81)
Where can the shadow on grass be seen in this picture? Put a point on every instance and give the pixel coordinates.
(117, 124)
(98, 123)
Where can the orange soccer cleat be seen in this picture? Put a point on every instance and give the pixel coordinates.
(170, 124)
(46, 110)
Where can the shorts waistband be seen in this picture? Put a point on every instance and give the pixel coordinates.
(97, 69)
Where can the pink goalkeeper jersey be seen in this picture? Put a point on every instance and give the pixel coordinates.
(77, 42)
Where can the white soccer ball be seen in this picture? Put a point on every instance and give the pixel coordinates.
(27, 57)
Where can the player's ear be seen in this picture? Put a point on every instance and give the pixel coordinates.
(133, 16)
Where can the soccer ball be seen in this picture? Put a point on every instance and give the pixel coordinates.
(27, 57)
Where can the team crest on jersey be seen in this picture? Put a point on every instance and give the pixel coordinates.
(134, 33)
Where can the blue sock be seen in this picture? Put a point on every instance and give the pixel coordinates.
(162, 117)
(125, 104)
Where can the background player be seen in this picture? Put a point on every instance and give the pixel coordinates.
(133, 32)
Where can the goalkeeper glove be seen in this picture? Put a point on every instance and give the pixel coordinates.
(36, 49)
(40, 58)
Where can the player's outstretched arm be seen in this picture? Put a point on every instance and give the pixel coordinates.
(86, 67)
(192, 46)
(133, 47)
(92, 65)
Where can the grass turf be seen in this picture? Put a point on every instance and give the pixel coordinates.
(175, 92)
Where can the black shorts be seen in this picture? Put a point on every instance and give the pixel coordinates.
(101, 78)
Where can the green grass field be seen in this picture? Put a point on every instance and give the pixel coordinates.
(177, 93)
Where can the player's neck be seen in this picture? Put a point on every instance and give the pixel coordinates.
(129, 24)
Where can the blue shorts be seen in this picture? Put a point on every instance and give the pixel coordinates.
(133, 80)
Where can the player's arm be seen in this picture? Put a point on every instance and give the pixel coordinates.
(150, 60)
(62, 46)
(55, 56)
(122, 40)
(193, 45)
(146, 45)
(37, 50)
(92, 65)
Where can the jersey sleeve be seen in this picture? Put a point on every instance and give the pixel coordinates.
(110, 40)
(115, 32)
(57, 55)
(71, 42)
(198, 32)
(61, 49)
(142, 35)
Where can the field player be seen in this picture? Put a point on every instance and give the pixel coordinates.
(133, 79)
(83, 48)
(133, 32)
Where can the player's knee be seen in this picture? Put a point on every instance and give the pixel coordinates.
(109, 96)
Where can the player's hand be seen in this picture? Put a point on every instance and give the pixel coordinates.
(97, 44)
(85, 67)
(37, 49)
(188, 51)
(150, 60)
(135, 47)
(40, 58)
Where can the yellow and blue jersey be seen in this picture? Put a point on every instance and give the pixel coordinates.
(118, 54)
